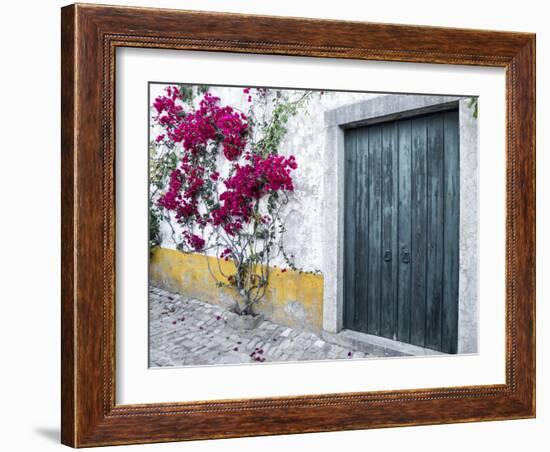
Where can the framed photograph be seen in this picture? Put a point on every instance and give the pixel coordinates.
(281, 225)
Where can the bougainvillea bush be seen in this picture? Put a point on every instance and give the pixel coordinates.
(220, 183)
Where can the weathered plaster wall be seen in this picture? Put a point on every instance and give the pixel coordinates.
(293, 299)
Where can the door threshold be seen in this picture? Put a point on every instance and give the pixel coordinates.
(376, 345)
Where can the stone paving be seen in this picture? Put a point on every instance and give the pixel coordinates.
(185, 331)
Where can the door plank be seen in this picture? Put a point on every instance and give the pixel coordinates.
(362, 230)
(434, 287)
(375, 229)
(449, 330)
(419, 238)
(389, 262)
(404, 226)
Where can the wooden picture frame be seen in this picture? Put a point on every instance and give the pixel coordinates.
(90, 35)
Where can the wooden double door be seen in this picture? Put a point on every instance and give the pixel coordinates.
(401, 230)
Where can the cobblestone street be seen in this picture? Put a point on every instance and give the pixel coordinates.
(186, 331)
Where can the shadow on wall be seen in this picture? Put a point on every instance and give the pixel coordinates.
(293, 298)
(52, 434)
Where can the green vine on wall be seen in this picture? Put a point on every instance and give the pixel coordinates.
(473, 104)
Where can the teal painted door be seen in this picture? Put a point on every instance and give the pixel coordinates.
(401, 230)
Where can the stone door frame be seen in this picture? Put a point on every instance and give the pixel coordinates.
(381, 109)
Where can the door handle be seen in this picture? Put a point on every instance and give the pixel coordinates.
(387, 256)
(405, 255)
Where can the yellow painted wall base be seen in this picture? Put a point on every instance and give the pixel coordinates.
(293, 299)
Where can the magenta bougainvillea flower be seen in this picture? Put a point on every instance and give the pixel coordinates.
(227, 185)
(194, 130)
(201, 132)
(249, 183)
(195, 241)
